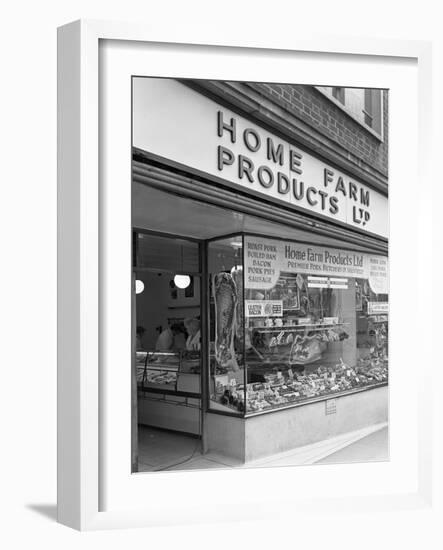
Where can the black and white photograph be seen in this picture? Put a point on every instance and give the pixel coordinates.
(260, 274)
(222, 244)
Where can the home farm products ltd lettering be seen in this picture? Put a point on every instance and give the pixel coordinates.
(283, 174)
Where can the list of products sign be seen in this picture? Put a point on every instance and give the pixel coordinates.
(266, 259)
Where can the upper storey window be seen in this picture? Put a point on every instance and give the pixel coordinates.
(365, 105)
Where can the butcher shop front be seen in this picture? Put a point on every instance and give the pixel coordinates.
(260, 309)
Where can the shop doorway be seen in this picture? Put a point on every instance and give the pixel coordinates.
(167, 336)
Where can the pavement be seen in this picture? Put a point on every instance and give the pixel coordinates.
(372, 448)
(160, 451)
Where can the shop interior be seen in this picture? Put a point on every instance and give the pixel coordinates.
(301, 348)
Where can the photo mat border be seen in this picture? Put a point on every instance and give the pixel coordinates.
(79, 254)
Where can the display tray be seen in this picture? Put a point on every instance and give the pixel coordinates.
(298, 328)
(218, 408)
(268, 390)
(308, 400)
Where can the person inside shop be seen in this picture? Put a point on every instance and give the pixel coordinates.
(179, 337)
(193, 329)
(171, 338)
(138, 338)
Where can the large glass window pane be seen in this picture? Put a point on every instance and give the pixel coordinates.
(226, 334)
(372, 332)
(311, 329)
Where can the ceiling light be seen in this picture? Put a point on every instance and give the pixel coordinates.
(139, 286)
(182, 281)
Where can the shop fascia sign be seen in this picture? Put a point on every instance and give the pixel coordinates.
(266, 259)
(284, 172)
(177, 123)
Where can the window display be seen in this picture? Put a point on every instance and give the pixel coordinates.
(294, 322)
(226, 349)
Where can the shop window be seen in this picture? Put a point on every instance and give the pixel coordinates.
(372, 109)
(226, 319)
(313, 323)
(338, 94)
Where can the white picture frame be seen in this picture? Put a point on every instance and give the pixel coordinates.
(84, 209)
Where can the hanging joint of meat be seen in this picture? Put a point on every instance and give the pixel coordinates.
(237, 275)
(226, 299)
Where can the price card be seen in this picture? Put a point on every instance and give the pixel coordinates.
(233, 382)
(279, 375)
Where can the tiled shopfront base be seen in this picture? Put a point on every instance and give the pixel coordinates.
(249, 439)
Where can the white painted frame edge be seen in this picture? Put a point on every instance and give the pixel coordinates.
(78, 252)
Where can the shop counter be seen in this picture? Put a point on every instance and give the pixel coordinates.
(174, 408)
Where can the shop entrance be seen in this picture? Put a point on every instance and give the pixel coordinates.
(167, 320)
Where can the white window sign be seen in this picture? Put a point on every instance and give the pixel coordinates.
(264, 308)
(266, 259)
(376, 308)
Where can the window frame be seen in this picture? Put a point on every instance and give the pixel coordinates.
(342, 106)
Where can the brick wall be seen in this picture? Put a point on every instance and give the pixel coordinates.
(345, 135)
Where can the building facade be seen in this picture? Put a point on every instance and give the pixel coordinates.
(260, 233)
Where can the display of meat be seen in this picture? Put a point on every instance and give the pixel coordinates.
(305, 350)
(225, 300)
